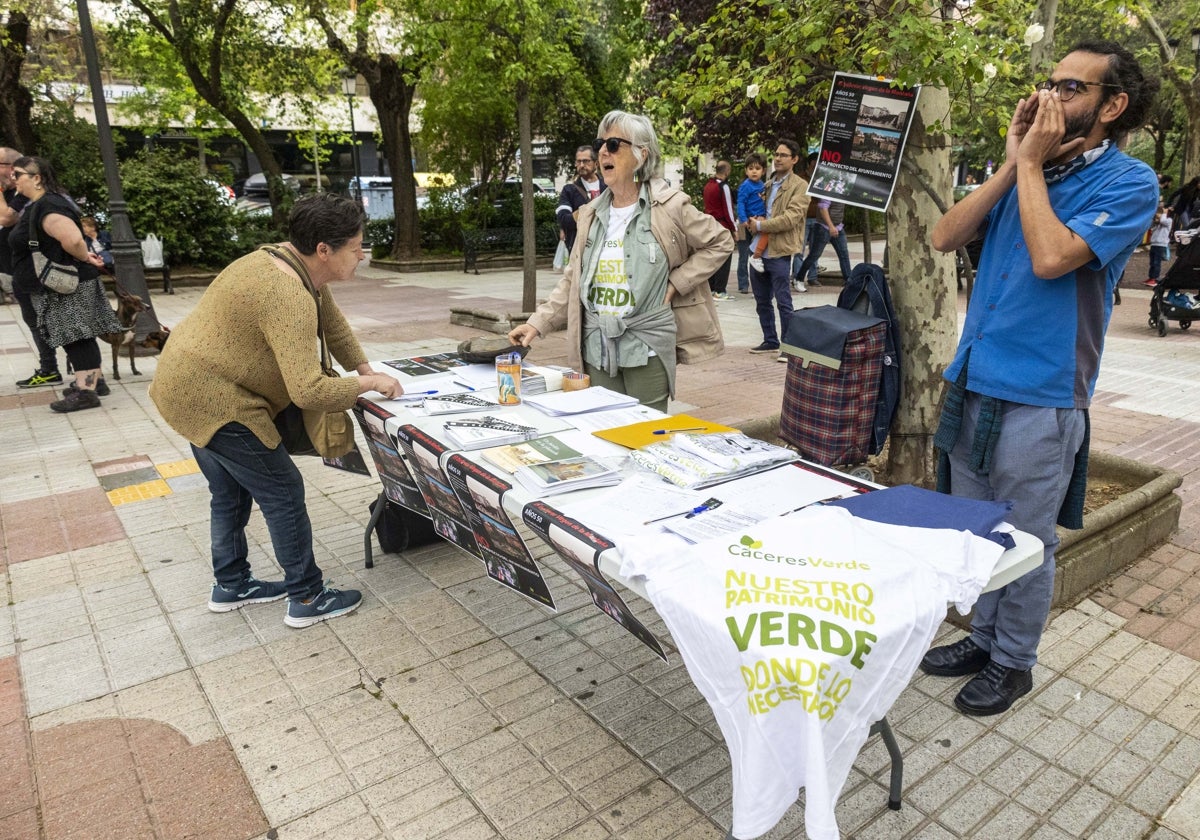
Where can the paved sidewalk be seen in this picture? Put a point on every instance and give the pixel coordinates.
(449, 708)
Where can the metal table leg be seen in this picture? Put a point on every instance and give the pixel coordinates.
(374, 520)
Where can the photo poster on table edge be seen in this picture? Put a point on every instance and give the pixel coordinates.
(352, 462)
(426, 365)
(505, 556)
(867, 121)
(424, 456)
(394, 475)
(581, 547)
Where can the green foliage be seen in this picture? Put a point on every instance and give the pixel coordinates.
(443, 219)
(73, 148)
(169, 197)
(572, 68)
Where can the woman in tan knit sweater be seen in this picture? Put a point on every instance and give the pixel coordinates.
(245, 352)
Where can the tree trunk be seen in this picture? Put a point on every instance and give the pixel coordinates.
(392, 96)
(528, 226)
(16, 102)
(1041, 54)
(265, 154)
(924, 291)
(1190, 91)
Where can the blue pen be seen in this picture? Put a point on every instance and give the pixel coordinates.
(463, 385)
(416, 393)
(709, 505)
(673, 431)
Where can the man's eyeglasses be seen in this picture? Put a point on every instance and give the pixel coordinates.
(582, 161)
(1067, 88)
(613, 144)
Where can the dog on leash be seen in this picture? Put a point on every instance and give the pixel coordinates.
(129, 306)
(157, 340)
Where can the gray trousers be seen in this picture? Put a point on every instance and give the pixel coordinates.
(1032, 467)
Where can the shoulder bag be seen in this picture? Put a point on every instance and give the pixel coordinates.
(63, 279)
(306, 431)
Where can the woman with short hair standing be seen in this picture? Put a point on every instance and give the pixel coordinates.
(246, 352)
(634, 298)
(70, 321)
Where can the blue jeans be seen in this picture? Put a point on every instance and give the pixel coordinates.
(743, 269)
(1032, 467)
(773, 283)
(816, 237)
(241, 470)
(1157, 254)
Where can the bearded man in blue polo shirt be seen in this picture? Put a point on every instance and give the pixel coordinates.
(1060, 219)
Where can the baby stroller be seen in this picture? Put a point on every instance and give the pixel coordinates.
(1170, 303)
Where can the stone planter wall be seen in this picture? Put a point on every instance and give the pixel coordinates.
(1117, 534)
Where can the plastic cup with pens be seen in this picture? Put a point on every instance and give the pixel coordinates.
(508, 378)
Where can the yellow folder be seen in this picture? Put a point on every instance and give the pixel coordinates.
(636, 435)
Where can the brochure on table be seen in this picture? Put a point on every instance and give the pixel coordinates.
(398, 483)
(424, 453)
(581, 548)
(505, 556)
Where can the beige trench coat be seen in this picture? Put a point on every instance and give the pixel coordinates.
(695, 245)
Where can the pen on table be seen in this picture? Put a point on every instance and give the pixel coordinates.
(417, 393)
(463, 385)
(688, 513)
(820, 502)
(673, 431)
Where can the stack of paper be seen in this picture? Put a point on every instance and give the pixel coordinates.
(571, 474)
(580, 402)
(696, 461)
(537, 451)
(539, 380)
(486, 432)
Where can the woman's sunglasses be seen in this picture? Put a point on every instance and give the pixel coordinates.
(612, 144)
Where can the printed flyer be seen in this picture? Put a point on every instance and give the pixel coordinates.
(398, 484)
(505, 556)
(581, 547)
(352, 461)
(866, 125)
(449, 519)
(427, 365)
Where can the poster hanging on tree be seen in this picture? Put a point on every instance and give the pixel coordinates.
(866, 125)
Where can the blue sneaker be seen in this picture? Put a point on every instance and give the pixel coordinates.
(250, 591)
(329, 603)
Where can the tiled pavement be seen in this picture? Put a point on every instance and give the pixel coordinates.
(449, 708)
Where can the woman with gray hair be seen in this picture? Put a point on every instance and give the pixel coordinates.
(634, 298)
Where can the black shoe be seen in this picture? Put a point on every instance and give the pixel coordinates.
(76, 401)
(956, 660)
(993, 690)
(40, 379)
(765, 348)
(102, 389)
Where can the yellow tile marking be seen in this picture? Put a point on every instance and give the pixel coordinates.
(178, 468)
(139, 492)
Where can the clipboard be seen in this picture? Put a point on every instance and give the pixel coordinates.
(637, 435)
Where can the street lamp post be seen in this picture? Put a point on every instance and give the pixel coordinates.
(127, 250)
(350, 87)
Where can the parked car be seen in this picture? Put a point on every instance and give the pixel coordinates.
(255, 197)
